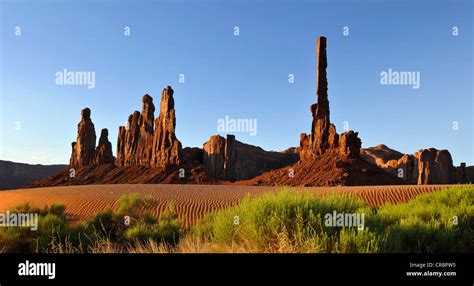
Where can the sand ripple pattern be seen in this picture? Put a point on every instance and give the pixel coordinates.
(192, 201)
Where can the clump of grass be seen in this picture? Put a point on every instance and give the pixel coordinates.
(52, 224)
(438, 222)
(50, 227)
(129, 205)
(106, 231)
(166, 229)
(288, 221)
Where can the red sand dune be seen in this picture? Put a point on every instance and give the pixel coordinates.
(192, 201)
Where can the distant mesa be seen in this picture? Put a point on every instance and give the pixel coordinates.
(229, 159)
(426, 166)
(148, 151)
(15, 175)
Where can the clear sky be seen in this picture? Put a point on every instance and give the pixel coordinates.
(244, 76)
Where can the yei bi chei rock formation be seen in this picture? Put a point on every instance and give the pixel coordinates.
(148, 151)
(145, 141)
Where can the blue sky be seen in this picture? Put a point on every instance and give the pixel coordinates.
(244, 76)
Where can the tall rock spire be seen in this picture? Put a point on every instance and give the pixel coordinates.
(321, 75)
(320, 110)
(145, 140)
(323, 137)
(83, 150)
(167, 149)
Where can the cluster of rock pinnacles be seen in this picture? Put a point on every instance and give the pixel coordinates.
(146, 141)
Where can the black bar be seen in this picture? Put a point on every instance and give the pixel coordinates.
(377, 269)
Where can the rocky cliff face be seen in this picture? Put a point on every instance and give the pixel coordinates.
(148, 142)
(214, 156)
(229, 159)
(426, 166)
(401, 165)
(435, 167)
(84, 152)
(323, 137)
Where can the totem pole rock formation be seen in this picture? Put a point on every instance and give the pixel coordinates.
(148, 142)
(323, 137)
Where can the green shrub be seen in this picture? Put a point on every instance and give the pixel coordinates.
(166, 229)
(129, 205)
(15, 239)
(358, 241)
(26, 208)
(51, 223)
(102, 222)
(50, 227)
(57, 210)
(438, 222)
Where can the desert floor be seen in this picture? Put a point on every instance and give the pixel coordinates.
(192, 202)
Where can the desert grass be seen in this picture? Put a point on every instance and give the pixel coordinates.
(287, 221)
(439, 222)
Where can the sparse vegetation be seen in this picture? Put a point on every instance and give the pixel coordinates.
(105, 231)
(293, 222)
(287, 221)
